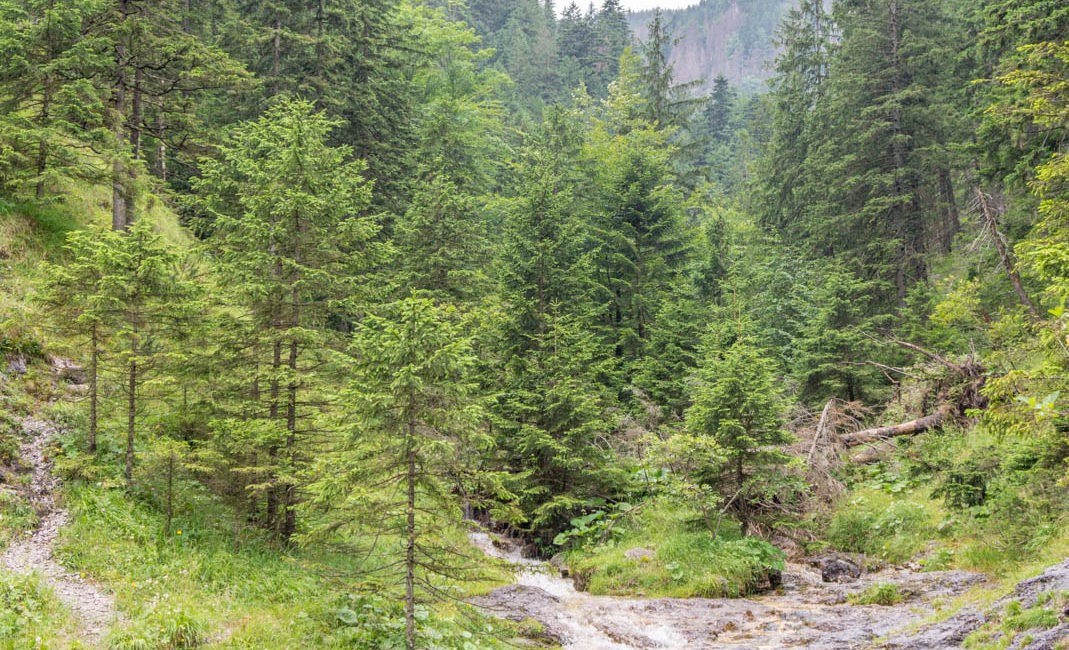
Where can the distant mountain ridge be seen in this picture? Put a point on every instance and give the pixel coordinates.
(730, 37)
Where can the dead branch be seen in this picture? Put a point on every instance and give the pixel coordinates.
(990, 216)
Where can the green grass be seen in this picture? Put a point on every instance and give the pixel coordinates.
(223, 589)
(686, 561)
(31, 617)
(879, 594)
(213, 582)
(891, 526)
(1009, 626)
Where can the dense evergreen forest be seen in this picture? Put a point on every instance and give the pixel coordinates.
(295, 296)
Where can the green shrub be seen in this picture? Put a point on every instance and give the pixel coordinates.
(29, 615)
(880, 525)
(16, 515)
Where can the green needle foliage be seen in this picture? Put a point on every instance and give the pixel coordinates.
(738, 405)
(411, 416)
(292, 238)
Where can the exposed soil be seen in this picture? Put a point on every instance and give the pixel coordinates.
(94, 608)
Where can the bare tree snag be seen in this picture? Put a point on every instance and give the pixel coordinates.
(990, 219)
(822, 426)
(878, 434)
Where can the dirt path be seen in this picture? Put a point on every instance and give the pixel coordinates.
(805, 613)
(94, 608)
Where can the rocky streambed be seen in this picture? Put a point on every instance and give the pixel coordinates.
(805, 612)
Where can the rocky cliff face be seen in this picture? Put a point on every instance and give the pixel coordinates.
(730, 37)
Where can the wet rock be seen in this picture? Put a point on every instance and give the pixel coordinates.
(952, 632)
(638, 554)
(838, 568)
(558, 563)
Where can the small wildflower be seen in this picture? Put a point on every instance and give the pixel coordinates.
(178, 532)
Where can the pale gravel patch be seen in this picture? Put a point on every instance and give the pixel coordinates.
(94, 608)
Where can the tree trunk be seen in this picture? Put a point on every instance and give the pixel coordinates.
(990, 217)
(276, 57)
(410, 540)
(161, 147)
(42, 143)
(289, 524)
(880, 434)
(170, 490)
(94, 356)
(131, 416)
(272, 412)
(952, 220)
(136, 111)
(119, 207)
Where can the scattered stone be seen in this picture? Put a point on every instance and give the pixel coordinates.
(638, 554)
(94, 608)
(69, 371)
(17, 365)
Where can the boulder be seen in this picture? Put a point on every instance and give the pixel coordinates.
(69, 371)
(840, 570)
(17, 365)
(837, 568)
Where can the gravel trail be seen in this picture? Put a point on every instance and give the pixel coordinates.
(94, 608)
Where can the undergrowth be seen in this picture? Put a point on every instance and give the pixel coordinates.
(685, 559)
(31, 617)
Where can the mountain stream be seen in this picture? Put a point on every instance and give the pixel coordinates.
(804, 612)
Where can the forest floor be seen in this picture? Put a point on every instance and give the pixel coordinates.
(804, 612)
(93, 608)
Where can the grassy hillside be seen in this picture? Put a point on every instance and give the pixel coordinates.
(206, 580)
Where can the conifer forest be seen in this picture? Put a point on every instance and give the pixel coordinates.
(488, 324)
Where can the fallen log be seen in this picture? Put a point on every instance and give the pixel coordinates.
(877, 434)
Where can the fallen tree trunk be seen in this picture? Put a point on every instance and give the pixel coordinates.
(919, 425)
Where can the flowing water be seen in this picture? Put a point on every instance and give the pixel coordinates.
(804, 613)
(579, 620)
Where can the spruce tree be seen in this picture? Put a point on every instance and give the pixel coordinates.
(737, 404)
(52, 108)
(410, 409)
(552, 411)
(291, 238)
(150, 304)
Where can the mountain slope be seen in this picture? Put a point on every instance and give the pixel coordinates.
(729, 37)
